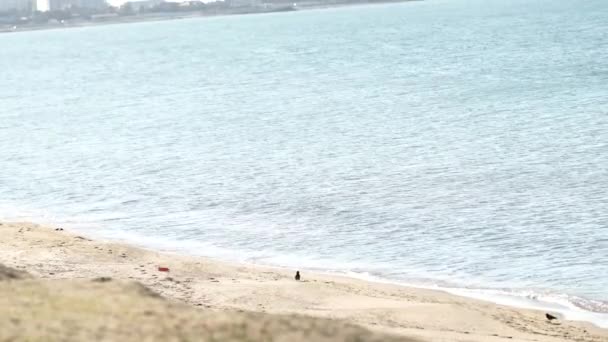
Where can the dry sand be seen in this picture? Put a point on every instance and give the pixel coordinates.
(111, 310)
(206, 284)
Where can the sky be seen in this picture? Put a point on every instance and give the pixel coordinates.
(42, 5)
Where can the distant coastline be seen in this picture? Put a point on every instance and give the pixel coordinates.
(162, 16)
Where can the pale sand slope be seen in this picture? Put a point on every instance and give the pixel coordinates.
(424, 314)
(111, 310)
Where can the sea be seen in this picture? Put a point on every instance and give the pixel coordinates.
(451, 144)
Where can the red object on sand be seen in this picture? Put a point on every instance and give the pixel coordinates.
(163, 269)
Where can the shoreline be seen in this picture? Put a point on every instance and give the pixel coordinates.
(559, 303)
(426, 314)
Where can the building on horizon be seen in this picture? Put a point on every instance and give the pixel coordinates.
(243, 3)
(60, 5)
(143, 5)
(20, 6)
(93, 4)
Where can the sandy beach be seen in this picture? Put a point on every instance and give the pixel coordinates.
(202, 283)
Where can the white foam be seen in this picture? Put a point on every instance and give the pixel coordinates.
(528, 299)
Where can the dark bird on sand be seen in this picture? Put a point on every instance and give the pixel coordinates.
(297, 275)
(550, 317)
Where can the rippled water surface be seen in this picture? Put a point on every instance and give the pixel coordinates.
(456, 143)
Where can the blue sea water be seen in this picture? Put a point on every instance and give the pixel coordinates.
(453, 143)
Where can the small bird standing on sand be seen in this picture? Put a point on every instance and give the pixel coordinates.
(550, 317)
(297, 275)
